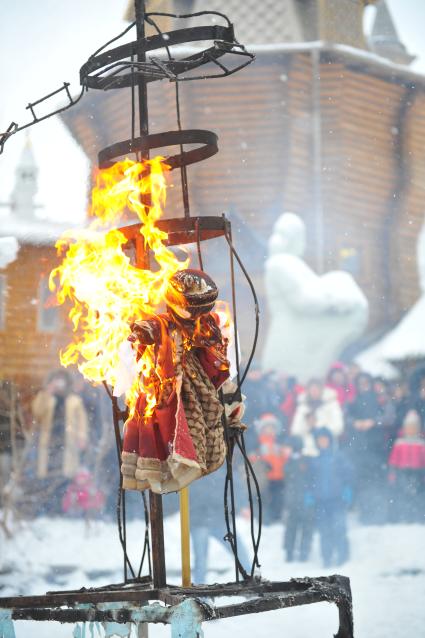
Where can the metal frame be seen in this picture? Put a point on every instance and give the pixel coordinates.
(184, 609)
(115, 70)
(111, 64)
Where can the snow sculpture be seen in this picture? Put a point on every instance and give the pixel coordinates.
(312, 317)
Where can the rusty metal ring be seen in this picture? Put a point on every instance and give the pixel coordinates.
(207, 139)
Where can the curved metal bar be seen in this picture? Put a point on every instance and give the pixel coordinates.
(183, 230)
(250, 471)
(231, 535)
(173, 70)
(146, 544)
(257, 312)
(152, 43)
(188, 15)
(15, 128)
(208, 140)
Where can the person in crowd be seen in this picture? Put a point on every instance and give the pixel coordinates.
(12, 436)
(299, 509)
(317, 407)
(274, 456)
(417, 393)
(61, 433)
(399, 393)
(207, 519)
(353, 371)
(407, 472)
(255, 405)
(331, 493)
(387, 410)
(82, 497)
(289, 391)
(105, 474)
(91, 397)
(338, 381)
(367, 449)
(100, 454)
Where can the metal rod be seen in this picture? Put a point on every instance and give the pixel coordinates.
(231, 531)
(234, 311)
(121, 518)
(185, 536)
(155, 500)
(139, 7)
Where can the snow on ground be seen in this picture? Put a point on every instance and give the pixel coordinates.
(387, 572)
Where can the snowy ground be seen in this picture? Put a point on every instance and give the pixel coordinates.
(387, 573)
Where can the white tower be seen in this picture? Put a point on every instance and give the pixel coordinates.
(22, 197)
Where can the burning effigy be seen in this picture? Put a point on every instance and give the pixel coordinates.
(152, 334)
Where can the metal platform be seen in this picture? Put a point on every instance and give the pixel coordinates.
(183, 609)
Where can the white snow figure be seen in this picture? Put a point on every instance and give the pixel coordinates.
(312, 317)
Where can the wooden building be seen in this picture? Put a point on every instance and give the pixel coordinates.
(32, 328)
(318, 125)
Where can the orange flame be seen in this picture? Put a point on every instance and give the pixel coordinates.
(108, 293)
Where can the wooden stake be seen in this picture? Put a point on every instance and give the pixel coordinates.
(157, 539)
(185, 536)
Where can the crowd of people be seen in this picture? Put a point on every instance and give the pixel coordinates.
(349, 442)
(67, 462)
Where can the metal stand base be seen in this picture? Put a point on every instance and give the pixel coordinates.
(183, 609)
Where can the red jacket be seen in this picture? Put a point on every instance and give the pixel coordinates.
(408, 454)
(274, 455)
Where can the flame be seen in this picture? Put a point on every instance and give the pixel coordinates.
(222, 310)
(107, 292)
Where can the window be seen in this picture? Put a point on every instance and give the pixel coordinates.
(48, 312)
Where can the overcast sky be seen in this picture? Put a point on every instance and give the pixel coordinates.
(44, 42)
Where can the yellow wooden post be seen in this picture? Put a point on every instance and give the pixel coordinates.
(185, 536)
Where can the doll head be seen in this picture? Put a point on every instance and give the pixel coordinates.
(190, 294)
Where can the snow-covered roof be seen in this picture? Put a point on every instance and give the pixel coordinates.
(353, 54)
(32, 231)
(403, 343)
(407, 339)
(371, 361)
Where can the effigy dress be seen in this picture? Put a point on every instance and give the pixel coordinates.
(182, 438)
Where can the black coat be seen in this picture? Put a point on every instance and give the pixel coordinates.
(298, 480)
(366, 447)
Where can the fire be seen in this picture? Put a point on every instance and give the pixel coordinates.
(107, 292)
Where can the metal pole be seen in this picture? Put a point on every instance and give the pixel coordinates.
(139, 9)
(185, 536)
(155, 500)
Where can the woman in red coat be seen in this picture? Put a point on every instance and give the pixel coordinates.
(407, 472)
